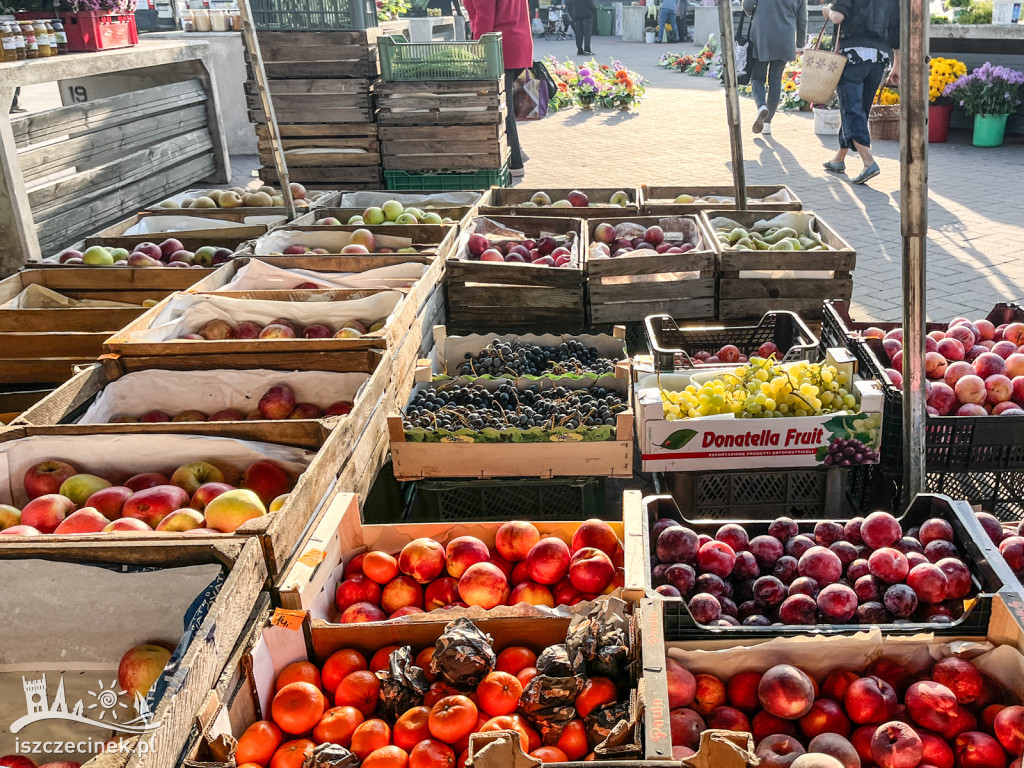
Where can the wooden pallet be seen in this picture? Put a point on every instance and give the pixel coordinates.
(628, 288)
(750, 297)
(455, 103)
(431, 148)
(303, 55)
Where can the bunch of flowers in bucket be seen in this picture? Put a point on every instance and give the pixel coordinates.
(988, 90)
(942, 73)
(887, 97)
(677, 61)
(606, 85)
(707, 63)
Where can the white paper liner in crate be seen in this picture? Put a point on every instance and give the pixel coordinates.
(496, 232)
(118, 457)
(194, 193)
(155, 225)
(425, 201)
(260, 276)
(187, 312)
(676, 228)
(210, 391)
(782, 196)
(37, 296)
(274, 243)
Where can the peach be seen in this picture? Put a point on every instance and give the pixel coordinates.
(963, 722)
(708, 694)
(896, 745)
(835, 684)
(870, 700)
(678, 753)
(786, 692)
(880, 529)
(931, 705)
(988, 717)
(109, 501)
(682, 686)
(440, 592)
(834, 745)
(975, 749)
(591, 570)
(423, 559)
(548, 560)
(531, 593)
(825, 716)
(521, 573)
(464, 551)
(46, 512)
(357, 589)
(140, 667)
(127, 525)
(764, 725)
(742, 691)
(958, 579)
(778, 751)
(961, 677)
(232, 509)
(812, 760)
(483, 585)
(266, 480)
(181, 520)
(46, 477)
(515, 539)
(936, 751)
(505, 566)
(1009, 729)
(400, 592)
(686, 727)
(360, 613)
(597, 534)
(408, 610)
(85, 520)
(821, 564)
(861, 741)
(728, 719)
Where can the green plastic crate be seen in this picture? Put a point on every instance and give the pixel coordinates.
(401, 61)
(313, 15)
(446, 182)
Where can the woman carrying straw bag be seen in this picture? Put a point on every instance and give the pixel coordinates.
(869, 37)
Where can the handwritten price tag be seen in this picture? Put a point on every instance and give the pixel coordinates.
(313, 557)
(288, 619)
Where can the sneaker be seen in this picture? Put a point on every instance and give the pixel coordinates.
(580, 53)
(522, 154)
(517, 173)
(589, 53)
(766, 129)
(18, 110)
(762, 115)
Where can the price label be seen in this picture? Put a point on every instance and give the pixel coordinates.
(288, 619)
(313, 557)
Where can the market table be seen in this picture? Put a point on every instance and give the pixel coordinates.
(68, 171)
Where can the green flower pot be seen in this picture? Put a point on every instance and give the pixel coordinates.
(989, 130)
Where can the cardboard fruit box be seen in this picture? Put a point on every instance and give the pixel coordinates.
(116, 457)
(61, 654)
(605, 451)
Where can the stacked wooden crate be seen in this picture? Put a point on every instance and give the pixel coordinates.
(322, 85)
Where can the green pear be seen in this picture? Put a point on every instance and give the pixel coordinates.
(98, 256)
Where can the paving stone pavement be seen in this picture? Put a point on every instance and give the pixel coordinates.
(678, 136)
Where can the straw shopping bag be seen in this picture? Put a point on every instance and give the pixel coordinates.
(821, 70)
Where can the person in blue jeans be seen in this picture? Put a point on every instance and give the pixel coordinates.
(869, 37)
(667, 15)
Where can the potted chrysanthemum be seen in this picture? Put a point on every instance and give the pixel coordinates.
(941, 73)
(989, 94)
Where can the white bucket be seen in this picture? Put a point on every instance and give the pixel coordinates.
(650, 36)
(826, 121)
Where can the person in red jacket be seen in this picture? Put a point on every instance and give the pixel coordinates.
(512, 19)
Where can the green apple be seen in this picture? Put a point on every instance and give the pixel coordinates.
(204, 256)
(407, 218)
(120, 254)
(374, 216)
(561, 204)
(407, 249)
(540, 198)
(98, 256)
(393, 209)
(620, 198)
(528, 204)
(431, 218)
(356, 220)
(416, 212)
(9, 516)
(684, 198)
(78, 488)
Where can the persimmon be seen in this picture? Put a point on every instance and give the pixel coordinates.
(526, 674)
(549, 755)
(360, 690)
(380, 566)
(292, 754)
(452, 718)
(387, 757)
(299, 672)
(297, 707)
(423, 659)
(411, 728)
(379, 662)
(531, 732)
(337, 725)
(498, 693)
(573, 740)
(436, 692)
(341, 664)
(369, 736)
(507, 723)
(431, 753)
(463, 743)
(597, 692)
(514, 659)
(258, 743)
(249, 765)
(463, 757)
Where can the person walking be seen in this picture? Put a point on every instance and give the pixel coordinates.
(667, 15)
(869, 37)
(584, 16)
(778, 29)
(512, 19)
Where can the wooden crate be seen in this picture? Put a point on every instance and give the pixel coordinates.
(428, 239)
(331, 177)
(450, 103)
(17, 398)
(431, 148)
(318, 55)
(235, 214)
(204, 651)
(658, 200)
(484, 296)
(628, 288)
(509, 200)
(329, 140)
(319, 100)
(115, 235)
(454, 212)
(750, 297)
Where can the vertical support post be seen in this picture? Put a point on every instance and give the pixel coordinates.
(914, 22)
(256, 55)
(19, 242)
(732, 102)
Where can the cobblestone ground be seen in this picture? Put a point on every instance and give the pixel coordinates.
(678, 136)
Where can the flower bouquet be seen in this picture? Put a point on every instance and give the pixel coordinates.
(612, 86)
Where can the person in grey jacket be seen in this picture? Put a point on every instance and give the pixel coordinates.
(777, 33)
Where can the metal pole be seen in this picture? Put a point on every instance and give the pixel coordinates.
(252, 43)
(732, 102)
(914, 23)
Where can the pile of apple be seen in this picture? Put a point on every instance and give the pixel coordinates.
(730, 354)
(546, 251)
(170, 253)
(865, 571)
(280, 328)
(236, 197)
(338, 703)
(525, 568)
(196, 498)
(277, 403)
(1011, 544)
(391, 212)
(361, 242)
(946, 716)
(610, 241)
(973, 368)
(574, 199)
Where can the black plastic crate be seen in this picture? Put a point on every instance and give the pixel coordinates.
(672, 346)
(959, 443)
(989, 574)
(457, 501)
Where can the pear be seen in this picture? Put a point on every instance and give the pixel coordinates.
(188, 202)
(269, 190)
(278, 201)
(260, 199)
(204, 202)
(214, 194)
(169, 204)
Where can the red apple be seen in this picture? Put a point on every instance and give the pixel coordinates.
(110, 501)
(206, 493)
(140, 667)
(154, 504)
(45, 513)
(85, 520)
(146, 480)
(267, 479)
(47, 477)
